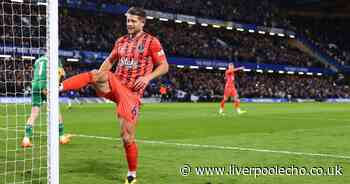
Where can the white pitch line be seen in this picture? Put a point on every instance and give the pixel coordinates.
(211, 146)
(310, 118)
(221, 147)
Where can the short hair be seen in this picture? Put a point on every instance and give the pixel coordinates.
(136, 11)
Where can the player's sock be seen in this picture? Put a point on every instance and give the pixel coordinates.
(28, 131)
(132, 173)
(131, 156)
(61, 129)
(222, 104)
(237, 106)
(77, 81)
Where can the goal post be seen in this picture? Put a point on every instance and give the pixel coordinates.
(53, 105)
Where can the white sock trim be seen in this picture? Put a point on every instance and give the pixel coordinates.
(132, 173)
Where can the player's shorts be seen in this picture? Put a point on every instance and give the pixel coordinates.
(230, 92)
(38, 97)
(128, 103)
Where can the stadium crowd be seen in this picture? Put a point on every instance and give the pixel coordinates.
(78, 31)
(210, 84)
(332, 39)
(207, 85)
(22, 25)
(265, 12)
(182, 40)
(97, 32)
(15, 77)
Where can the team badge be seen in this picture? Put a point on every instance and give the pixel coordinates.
(141, 48)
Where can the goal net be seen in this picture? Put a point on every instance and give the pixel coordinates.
(26, 34)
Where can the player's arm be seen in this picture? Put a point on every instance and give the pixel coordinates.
(239, 68)
(161, 69)
(159, 59)
(61, 73)
(108, 62)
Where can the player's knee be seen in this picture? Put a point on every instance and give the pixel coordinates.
(60, 119)
(122, 134)
(94, 72)
(35, 111)
(127, 138)
(99, 76)
(33, 116)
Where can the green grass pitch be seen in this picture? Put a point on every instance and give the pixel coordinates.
(171, 135)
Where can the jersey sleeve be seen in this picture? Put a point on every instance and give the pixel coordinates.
(157, 52)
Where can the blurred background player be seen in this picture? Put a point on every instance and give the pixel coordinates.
(72, 98)
(230, 89)
(139, 58)
(163, 90)
(39, 93)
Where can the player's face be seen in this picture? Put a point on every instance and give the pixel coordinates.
(230, 66)
(134, 24)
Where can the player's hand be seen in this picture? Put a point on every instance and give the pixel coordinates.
(141, 82)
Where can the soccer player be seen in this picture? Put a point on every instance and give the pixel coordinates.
(163, 90)
(39, 92)
(230, 89)
(139, 58)
(72, 97)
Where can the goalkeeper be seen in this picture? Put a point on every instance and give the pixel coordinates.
(39, 93)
